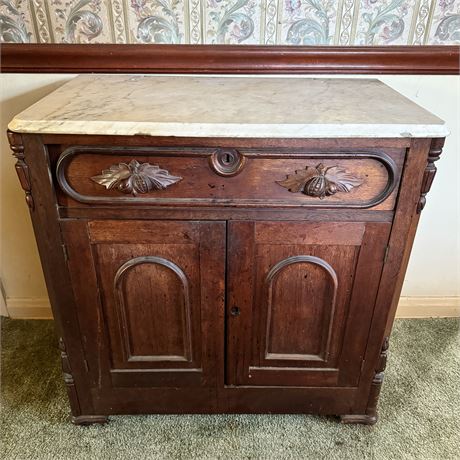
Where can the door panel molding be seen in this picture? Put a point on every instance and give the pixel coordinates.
(120, 296)
(325, 339)
(257, 255)
(99, 258)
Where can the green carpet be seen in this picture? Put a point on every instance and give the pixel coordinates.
(419, 411)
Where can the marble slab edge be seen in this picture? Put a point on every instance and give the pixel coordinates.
(229, 129)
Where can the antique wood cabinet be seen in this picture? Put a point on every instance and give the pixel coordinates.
(224, 244)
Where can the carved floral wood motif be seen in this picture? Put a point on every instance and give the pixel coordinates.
(320, 181)
(261, 22)
(135, 177)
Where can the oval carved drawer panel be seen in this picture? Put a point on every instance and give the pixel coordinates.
(192, 177)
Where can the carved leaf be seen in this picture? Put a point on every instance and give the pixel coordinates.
(159, 177)
(296, 182)
(343, 180)
(112, 176)
(135, 177)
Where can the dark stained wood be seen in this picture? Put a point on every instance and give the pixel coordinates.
(150, 304)
(368, 273)
(402, 233)
(57, 143)
(240, 291)
(300, 233)
(49, 241)
(226, 213)
(233, 59)
(21, 167)
(296, 306)
(408, 220)
(430, 170)
(223, 308)
(377, 381)
(282, 400)
(106, 231)
(257, 182)
(234, 400)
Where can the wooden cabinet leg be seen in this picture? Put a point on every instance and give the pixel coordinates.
(85, 420)
(77, 417)
(371, 415)
(358, 418)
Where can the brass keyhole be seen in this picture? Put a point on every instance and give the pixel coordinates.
(226, 162)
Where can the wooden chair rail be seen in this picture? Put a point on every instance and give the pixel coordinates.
(233, 59)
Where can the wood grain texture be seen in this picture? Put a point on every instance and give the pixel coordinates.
(226, 213)
(49, 241)
(400, 242)
(291, 333)
(293, 318)
(234, 59)
(152, 295)
(22, 169)
(221, 308)
(257, 182)
(57, 143)
(430, 170)
(151, 308)
(150, 300)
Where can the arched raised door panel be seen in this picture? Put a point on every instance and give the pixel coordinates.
(148, 295)
(304, 297)
(155, 291)
(299, 320)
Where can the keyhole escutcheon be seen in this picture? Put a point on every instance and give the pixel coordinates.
(235, 311)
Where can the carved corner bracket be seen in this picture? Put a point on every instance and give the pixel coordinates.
(320, 181)
(135, 177)
(430, 171)
(22, 169)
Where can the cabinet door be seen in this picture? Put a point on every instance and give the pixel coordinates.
(150, 298)
(300, 300)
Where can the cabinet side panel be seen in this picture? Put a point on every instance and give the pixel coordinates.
(402, 234)
(50, 245)
(368, 272)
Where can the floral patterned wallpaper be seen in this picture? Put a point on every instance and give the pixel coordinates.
(265, 22)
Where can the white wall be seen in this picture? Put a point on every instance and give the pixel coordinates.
(20, 270)
(434, 270)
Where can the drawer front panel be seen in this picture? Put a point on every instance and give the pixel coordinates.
(245, 178)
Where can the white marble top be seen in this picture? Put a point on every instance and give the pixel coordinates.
(227, 107)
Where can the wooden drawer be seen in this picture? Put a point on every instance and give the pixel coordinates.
(239, 178)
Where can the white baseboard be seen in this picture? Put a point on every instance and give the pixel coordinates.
(409, 307)
(428, 307)
(3, 310)
(29, 308)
